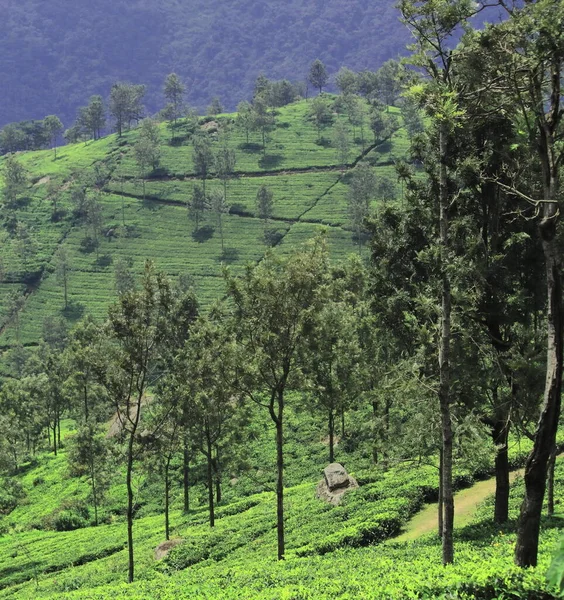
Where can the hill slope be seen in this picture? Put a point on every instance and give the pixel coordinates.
(310, 191)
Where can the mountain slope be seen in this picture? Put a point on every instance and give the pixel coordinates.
(53, 55)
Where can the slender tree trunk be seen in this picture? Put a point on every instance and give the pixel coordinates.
(210, 481)
(129, 485)
(277, 416)
(58, 428)
(94, 491)
(331, 436)
(526, 548)
(440, 499)
(500, 434)
(343, 431)
(167, 498)
(186, 477)
(217, 470)
(550, 483)
(444, 360)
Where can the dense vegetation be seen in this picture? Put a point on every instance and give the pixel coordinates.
(54, 56)
(188, 336)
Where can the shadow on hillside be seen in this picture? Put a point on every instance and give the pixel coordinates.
(104, 260)
(324, 142)
(251, 147)
(239, 209)
(229, 255)
(270, 161)
(74, 311)
(203, 234)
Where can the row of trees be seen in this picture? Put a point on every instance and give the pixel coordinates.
(493, 159)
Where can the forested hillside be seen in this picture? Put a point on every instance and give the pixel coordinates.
(54, 55)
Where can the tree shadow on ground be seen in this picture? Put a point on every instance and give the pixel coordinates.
(229, 255)
(270, 161)
(203, 234)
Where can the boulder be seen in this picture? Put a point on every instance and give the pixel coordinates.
(164, 548)
(335, 483)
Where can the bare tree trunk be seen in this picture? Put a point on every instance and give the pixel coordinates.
(129, 485)
(186, 477)
(277, 417)
(550, 483)
(440, 500)
(167, 498)
(500, 434)
(526, 548)
(444, 360)
(331, 436)
(210, 481)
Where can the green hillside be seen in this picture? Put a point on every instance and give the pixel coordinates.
(236, 559)
(309, 188)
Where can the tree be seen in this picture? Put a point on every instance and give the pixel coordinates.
(88, 455)
(335, 356)
(434, 24)
(215, 108)
(361, 192)
(15, 180)
(347, 81)
(136, 338)
(202, 156)
(124, 278)
(197, 205)
(357, 115)
(53, 129)
(224, 162)
(206, 370)
(147, 148)
(174, 91)
(265, 205)
(274, 305)
(320, 112)
(126, 104)
(389, 81)
(219, 206)
(318, 75)
(92, 118)
(62, 270)
(246, 118)
(342, 144)
(382, 124)
(528, 53)
(263, 119)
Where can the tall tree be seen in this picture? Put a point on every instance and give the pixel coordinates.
(274, 305)
(62, 270)
(137, 335)
(219, 206)
(202, 155)
(528, 53)
(147, 148)
(197, 204)
(15, 180)
(126, 104)
(265, 205)
(53, 129)
(225, 161)
(434, 25)
(174, 91)
(318, 75)
(362, 191)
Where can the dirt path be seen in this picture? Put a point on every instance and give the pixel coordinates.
(465, 505)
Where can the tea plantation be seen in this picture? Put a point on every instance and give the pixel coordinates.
(300, 165)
